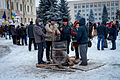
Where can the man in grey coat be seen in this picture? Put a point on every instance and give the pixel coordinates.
(39, 38)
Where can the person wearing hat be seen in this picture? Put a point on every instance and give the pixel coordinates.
(39, 39)
(51, 30)
(31, 36)
(82, 40)
(74, 38)
(65, 30)
(101, 37)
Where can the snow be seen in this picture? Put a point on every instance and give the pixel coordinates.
(20, 64)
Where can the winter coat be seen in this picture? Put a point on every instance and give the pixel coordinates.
(30, 31)
(18, 32)
(113, 32)
(38, 34)
(82, 33)
(90, 31)
(5, 28)
(1, 30)
(101, 30)
(106, 31)
(23, 31)
(49, 29)
(74, 37)
(13, 31)
(66, 32)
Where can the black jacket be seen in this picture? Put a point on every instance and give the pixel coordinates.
(30, 31)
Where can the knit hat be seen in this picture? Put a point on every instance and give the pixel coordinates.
(75, 23)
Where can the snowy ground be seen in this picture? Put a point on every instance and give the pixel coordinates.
(20, 64)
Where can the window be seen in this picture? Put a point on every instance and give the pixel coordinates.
(25, 20)
(117, 3)
(28, 8)
(87, 5)
(99, 14)
(20, 7)
(12, 5)
(99, 4)
(75, 11)
(28, 19)
(108, 3)
(7, 4)
(83, 5)
(87, 10)
(25, 7)
(95, 10)
(83, 10)
(75, 6)
(95, 4)
(31, 9)
(91, 5)
(79, 5)
(112, 3)
(95, 14)
(17, 6)
(103, 3)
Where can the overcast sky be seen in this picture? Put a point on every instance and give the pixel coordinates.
(37, 1)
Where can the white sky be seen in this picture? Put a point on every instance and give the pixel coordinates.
(37, 1)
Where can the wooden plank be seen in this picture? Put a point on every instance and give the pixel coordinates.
(44, 65)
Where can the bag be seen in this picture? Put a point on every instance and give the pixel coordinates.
(89, 43)
(110, 37)
(73, 39)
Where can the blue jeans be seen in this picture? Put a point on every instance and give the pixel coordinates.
(100, 38)
(113, 44)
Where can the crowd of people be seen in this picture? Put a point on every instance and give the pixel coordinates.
(79, 34)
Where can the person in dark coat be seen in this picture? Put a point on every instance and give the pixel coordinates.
(39, 35)
(101, 32)
(14, 34)
(1, 31)
(90, 30)
(106, 31)
(113, 32)
(74, 38)
(9, 30)
(23, 34)
(65, 30)
(118, 26)
(82, 39)
(18, 32)
(5, 30)
(31, 36)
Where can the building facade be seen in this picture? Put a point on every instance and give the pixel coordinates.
(84, 6)
(26, 9)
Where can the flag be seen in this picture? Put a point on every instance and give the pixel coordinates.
(13, 16)
(4, 15)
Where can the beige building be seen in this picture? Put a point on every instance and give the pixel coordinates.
(84, 6)
(26, 9)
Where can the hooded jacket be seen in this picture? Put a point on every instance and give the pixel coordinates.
(82, 33)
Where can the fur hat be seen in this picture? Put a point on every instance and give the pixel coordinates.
(65, 19)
